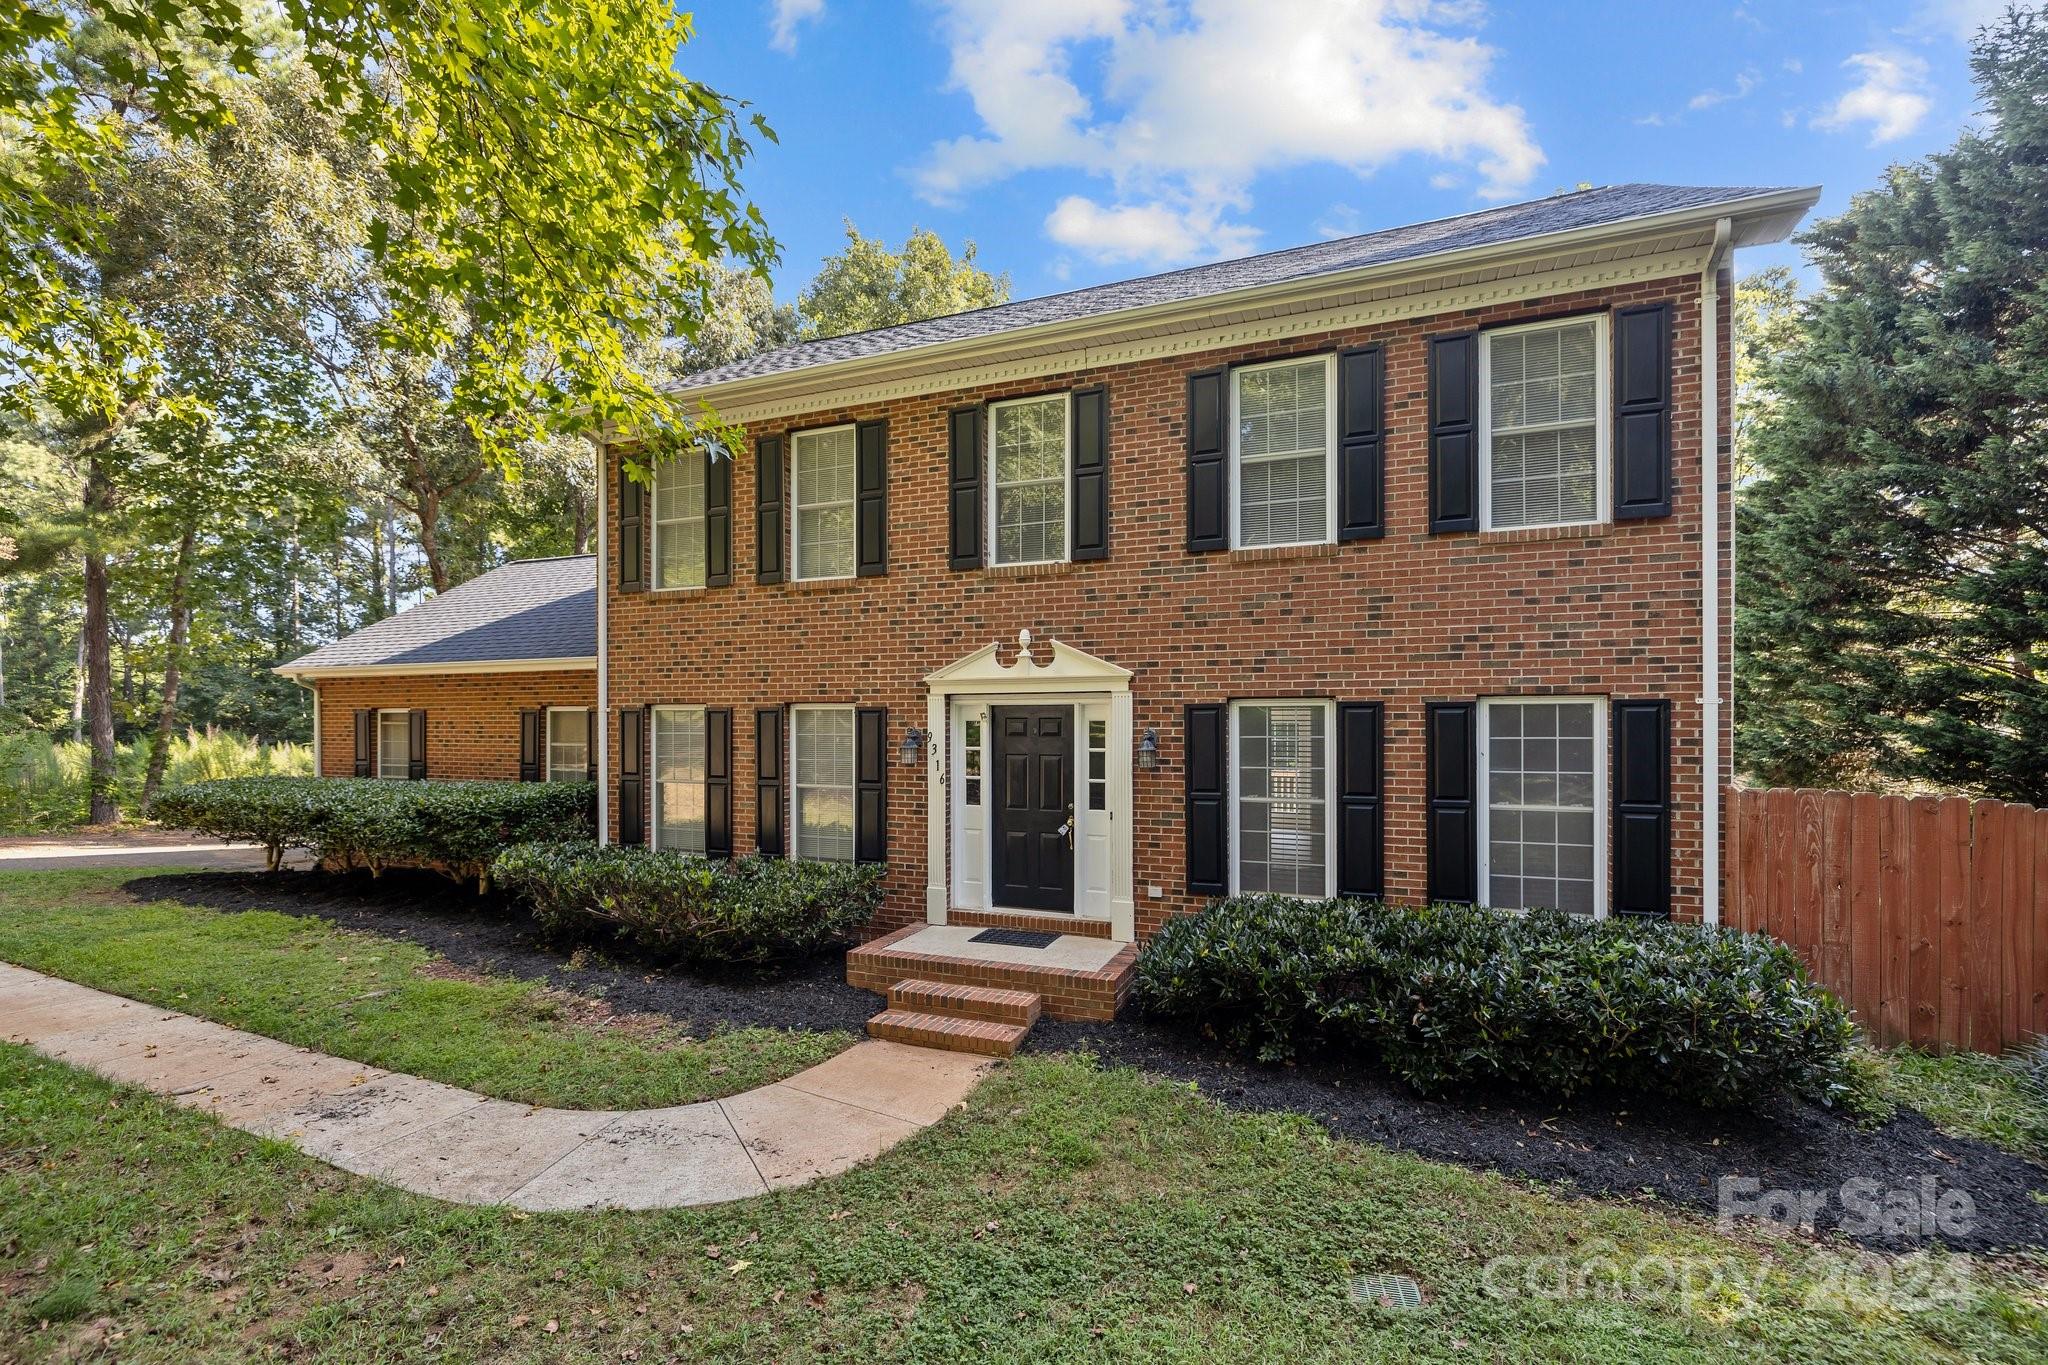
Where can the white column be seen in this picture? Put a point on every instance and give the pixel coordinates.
(1123, 923)
(937, 794)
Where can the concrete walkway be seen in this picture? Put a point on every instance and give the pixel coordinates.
(460, 1146)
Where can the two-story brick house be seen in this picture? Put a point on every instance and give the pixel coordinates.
(1395, 565)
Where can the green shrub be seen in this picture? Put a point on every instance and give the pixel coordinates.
(752, 911)
(1447, 996)
(365, 822)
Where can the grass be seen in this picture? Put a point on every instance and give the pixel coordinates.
(375, 1000)
(1967, 1093)
(1068, 1213)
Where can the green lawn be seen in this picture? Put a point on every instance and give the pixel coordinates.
(377, 1000)
(1068, 1213)
(1967, 1093)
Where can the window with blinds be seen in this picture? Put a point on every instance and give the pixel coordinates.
(1543, 424)
(568, 744)
(394, 743)
(1282, 446)
(821, 739)
(1028, 472)
(822, 472)
(679, 538)
(1282, 781)
(680, 753)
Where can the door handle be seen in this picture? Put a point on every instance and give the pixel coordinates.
(1067, 829)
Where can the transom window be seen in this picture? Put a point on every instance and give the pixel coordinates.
(1281, 774)
(1542, 389)
(679, 538)
(1028, 474)
(679, 773)
(1282, 423)
(394, 743)
(568, 744)
(1541, 839)
(822, 489)
(821, 761)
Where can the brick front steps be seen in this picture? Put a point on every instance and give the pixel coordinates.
(978, 1019)
(941, 957)
(1020, 919)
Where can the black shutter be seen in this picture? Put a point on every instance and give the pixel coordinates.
(1361, 808)
(768, 532)
(871, 498)
(1452, 815)
(530, 767)
(416, 755)
(717, 521)
(366, 744)
(718, 784)
(632, 775)
(632, 533)
(871, 785)
(1642, 808)
(1208, 825)
(1208, 461)
(1642, 412)
(1454, 433)
(1091, 473)
(1361, 444)
(768, 782)
(963, 488)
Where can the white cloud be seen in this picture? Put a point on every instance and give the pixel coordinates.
(1891, 97)
(1745, 81)
(1181, 107)
(1960, 18)
(1342, 220)
(788, 17)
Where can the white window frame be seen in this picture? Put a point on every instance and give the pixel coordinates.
(654, 523)
(852, 788)
(382, 712)
(796, 503)
(1603, 873)
(1066, 400)
(1236, 791)
(1329, 536)
(654, 774)
(547, 739)
(1603, 471)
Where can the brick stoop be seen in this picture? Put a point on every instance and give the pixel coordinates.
(1064, 992)
(1023, 919)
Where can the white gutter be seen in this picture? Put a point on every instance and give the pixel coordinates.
(604, 658)
(566, 664)
(1710, 574)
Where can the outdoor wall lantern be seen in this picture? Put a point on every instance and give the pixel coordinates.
(1148, 750)
(912, 748)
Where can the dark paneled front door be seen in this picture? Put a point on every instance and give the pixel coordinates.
(1034, 807)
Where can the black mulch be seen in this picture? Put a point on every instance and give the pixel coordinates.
(1598, 1146)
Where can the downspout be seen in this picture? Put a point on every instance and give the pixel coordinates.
(1710, 575)
(604, 676)
(314, 688)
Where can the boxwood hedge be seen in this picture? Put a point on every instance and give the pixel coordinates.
(1446, 996)
(752, 911)
(363, 822)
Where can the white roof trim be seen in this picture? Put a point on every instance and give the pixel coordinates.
(577, 664)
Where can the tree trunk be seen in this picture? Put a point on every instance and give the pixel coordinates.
(579, 513)
(78, 693)
(99, 679)
(429, 505)
(174, 657)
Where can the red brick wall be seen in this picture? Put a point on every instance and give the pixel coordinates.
(1405, 619)
(472, 718)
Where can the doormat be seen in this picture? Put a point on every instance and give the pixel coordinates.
(1016, 938)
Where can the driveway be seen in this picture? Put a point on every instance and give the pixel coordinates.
(131, 848)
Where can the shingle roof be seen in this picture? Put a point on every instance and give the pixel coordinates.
(1488, 227)
(528, 609)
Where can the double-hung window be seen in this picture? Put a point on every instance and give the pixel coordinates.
(1283, 839)
(1541, 839)
(568, 744)
(679, 773)
(1028, 476)
(821, 491)
(1542, 409)
(1282, 429)
(394, 743)
(821, 761)
(679, 532)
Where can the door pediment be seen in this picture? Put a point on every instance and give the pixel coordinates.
(1070, 670)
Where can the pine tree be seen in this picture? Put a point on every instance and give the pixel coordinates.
(1893, 622)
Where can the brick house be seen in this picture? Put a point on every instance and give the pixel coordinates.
(496, 678)
(1389, 565)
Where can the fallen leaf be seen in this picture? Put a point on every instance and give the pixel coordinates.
(520, 1319)
(1188, 1288)
(714, 1252)
(395, 1263)
(835, 1217)
(737, 1266)
(552, 1326)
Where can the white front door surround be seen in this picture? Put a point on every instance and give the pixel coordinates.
(956, 845)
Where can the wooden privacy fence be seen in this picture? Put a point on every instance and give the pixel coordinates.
(1928, 916)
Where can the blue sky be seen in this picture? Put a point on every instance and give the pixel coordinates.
(1078, 141)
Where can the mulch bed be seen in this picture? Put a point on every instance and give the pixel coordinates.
(1596, 1146)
